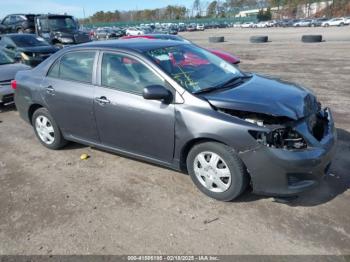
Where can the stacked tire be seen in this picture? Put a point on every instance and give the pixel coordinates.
(259, 39)
(216, 39)
(311, 38)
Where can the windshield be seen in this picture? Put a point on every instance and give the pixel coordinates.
(193, 68)
(5, 59)
(62, 23)
(22, 40)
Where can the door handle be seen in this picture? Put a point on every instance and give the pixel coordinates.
(102, 100)
(50, 90)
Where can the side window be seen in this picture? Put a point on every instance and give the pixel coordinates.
(12, 19)
(126, 74)
(6, 20)
(77, 66)
(55, 70)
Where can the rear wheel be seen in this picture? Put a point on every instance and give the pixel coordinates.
(217, 171)
(46, 130)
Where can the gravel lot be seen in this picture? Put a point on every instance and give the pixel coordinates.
(51, 202)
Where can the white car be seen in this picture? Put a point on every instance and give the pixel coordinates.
(262, 24)
(334, 22)
(200, 27)
(235, 25)
(247, 25)
(347, 20)
(134, 31)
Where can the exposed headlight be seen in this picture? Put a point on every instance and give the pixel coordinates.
(66, 40)
(258, 122)
(285, 138)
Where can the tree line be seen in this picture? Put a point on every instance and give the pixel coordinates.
(220, 8)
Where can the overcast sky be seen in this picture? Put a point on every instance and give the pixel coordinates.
(75, 7)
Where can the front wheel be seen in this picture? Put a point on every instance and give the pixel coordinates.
(46, 130)
(217, 171)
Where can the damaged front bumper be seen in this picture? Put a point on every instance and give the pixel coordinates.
(282, 172)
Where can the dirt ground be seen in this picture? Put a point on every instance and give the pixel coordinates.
(51, 202)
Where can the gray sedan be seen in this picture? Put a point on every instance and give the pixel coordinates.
(177, 105)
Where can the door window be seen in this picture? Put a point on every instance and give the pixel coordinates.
(126, 74)
(75, 66)
(6, 21)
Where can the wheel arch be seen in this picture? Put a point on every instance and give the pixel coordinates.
(31, 111)
(189, 145)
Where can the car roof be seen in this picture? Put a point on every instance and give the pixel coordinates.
(135, 44)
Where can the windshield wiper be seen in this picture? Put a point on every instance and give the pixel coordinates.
(228, 84)
(234, 81)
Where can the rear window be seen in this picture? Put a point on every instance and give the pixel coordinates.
(75, 66)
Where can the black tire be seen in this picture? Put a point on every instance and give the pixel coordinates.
(259, 39)
(59, 140)
(311, 38)
(239, 175)
(216, 39)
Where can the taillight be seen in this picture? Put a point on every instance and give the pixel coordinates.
(14, 84)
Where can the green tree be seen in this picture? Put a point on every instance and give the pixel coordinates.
(211, 10)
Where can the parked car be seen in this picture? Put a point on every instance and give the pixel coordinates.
(105, 34)
(303, 23)
(232, 59)
(168, 31)
(134, 31)
(60, 30)
(177, 105)
(27, 48)
(191, 28)
(17, 23)
(8, 69)
(247, 25)
(334, 22)
(347, 20)
(200, 27)
(286, 22)
(318, 21)
(262, 24)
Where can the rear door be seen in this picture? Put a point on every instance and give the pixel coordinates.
(68, 92)
(125, 120)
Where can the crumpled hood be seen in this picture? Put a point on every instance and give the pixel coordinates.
(8, 72)
(64, 33)
(267, 96)
(76, 35)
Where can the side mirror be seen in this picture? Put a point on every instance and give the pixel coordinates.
(157, 92)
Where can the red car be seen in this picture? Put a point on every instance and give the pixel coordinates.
(224, 55)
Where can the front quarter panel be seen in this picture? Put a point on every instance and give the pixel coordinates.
(196, 119)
